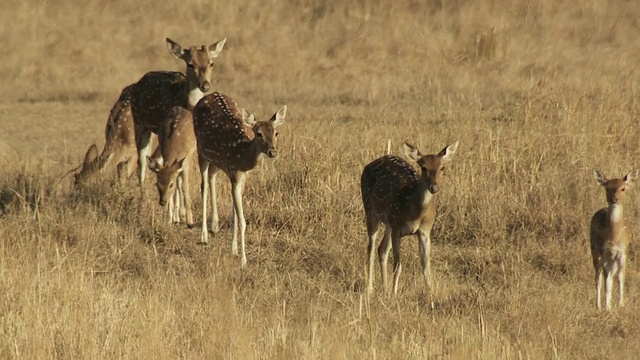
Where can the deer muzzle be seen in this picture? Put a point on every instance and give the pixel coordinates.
(272, 153)
(205, 86)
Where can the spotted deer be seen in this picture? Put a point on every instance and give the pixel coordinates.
(231, 141)
(157, 92)
(394, 194)
(177, 144)
(119, 147)
(610, 238)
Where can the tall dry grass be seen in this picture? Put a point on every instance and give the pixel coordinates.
(537, 92)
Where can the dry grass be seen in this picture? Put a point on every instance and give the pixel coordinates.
(537, 92)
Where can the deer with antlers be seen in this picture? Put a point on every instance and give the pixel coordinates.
(177, 144)
(396, 195)
(231, 141)
(155, 95)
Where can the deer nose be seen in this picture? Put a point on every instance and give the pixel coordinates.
(163, 202)
(205, 86)
(434, 188)
(272, 152)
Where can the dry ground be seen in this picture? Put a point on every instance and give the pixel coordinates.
(538, 94)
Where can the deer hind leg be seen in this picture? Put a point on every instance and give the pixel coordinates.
(143, 145)
(383, 254)
(397, 265)
(373, 226)
(424, 241)
(239, 223)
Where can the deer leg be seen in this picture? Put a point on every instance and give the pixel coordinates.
(620, 276)
(204, 174)
(239, 222)
(171, 208)
(383, 254)
(597, 268)
(424, 241)
(608, 283)
(186, 196)
(373, 226)
(397, 265)
(143, 144)
(178, 201)
(215, 220)
(598, 279)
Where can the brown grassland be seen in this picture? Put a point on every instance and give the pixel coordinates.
(538, 93)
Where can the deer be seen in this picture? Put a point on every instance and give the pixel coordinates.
(232, 141)
(609, 237)
(119, 147)
(177, 144)
(396, 195)
(157, 92)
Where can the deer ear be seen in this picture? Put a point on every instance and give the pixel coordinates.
(631, 177)
(216, 48)
(153, 164)
(411, 151)
(278, 117)
(248, 118)
(174, 48)
(448, 152)
(91, 155)
(180, 164)
(599, 177)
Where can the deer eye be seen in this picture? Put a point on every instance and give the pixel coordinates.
(170, 185)
(276, 134)
(211, 65)
(259, 134)
(623, 189)
(190, 65)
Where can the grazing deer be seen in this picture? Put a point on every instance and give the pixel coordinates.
(609, 237)
(395, 195)
(157, 92)
(119, 147)
(177, 145)
(233, 142)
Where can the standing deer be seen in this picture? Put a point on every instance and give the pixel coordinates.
(157, 92)
(119, 147)
(395, 195)
(177, 146)
(233, 142)
(610, 237)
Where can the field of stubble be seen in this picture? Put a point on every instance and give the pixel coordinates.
(538, 95)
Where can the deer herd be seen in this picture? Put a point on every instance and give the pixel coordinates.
(188, 119)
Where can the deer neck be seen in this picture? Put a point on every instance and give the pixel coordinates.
(194, 94)
(615, 215)
(426, 197)
(248, 155)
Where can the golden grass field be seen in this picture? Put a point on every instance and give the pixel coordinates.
(539, 93)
